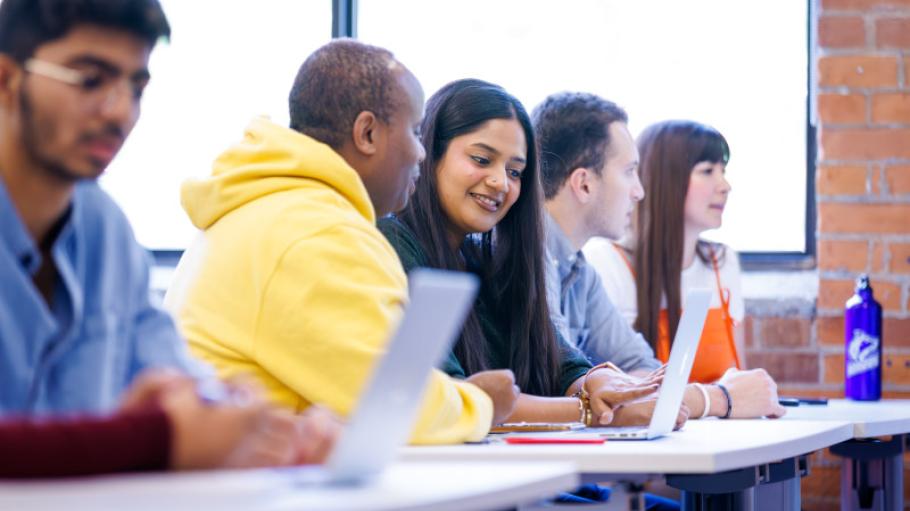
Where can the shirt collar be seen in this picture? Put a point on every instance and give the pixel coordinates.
(559, 248)
(17, 239)
(15, 236)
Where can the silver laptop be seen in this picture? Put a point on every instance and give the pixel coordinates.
(671, 391)
(385, 413)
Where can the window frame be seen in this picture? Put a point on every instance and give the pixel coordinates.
(805, 260)
(344, 24)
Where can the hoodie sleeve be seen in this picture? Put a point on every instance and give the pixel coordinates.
(324, 318)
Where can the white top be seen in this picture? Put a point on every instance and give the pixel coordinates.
(413, 486)
(869, 418)
(701, 447)
(619, 282)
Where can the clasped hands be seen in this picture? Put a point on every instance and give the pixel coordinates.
(617, 398)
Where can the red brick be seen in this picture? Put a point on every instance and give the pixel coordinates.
(841, 32)
(849, 256)
(898, 179)
(900, 257)
(865, 144)
(841, 180)
(830, 330)
(834, 369)
(839, 217)
(888, 294)
(892, 33)
(826, 503)
(857, 71)
(785, 332)
(832, 294)
(878, 257)
(896, 394)
(864, 5)
(842, 108)
(896, 333)
(875, 181)
(891, 108)
(897, 369)
(787, 367)
(749, 331)
(821, 481)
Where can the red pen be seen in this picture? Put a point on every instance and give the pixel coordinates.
(554, 440)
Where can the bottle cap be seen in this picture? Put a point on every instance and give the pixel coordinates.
(862, 282)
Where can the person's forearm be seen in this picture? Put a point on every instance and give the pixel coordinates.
(545, 409)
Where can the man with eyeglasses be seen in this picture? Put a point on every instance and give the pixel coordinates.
(76, 322)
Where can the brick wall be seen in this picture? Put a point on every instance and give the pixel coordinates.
(863, 199)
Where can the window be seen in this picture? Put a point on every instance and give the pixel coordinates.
(742, 70)
(228, 61)
(739, 69)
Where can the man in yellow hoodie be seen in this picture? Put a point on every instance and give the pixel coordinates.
(291, 281)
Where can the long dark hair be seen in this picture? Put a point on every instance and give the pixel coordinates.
(668, 151)
(509, 258)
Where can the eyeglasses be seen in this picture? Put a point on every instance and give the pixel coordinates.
(99, 85)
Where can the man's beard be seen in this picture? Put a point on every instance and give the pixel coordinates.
(32, 133)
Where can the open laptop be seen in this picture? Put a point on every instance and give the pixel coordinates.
(670, 394)
(385, 413)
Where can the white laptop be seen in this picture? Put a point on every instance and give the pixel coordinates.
(671, 391)
(387, 409)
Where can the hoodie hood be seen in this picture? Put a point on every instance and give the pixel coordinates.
(270, 159)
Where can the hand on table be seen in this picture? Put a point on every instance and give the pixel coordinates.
(753, 392)
(610, 387)
(500, 386)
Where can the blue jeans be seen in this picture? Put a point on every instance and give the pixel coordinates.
(590, 493)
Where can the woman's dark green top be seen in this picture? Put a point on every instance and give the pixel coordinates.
(573, 363)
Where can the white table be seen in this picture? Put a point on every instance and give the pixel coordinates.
(702, 447)
(869, 418)
(872, 472)
(404, 486)
(708, 457)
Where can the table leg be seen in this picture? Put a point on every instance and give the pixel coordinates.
(872, 474)
(734, 490)
(780, 488)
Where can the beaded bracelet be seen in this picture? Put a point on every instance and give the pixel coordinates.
(585, 398)
(584, 407)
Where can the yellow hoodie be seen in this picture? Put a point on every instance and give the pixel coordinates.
(298, 288)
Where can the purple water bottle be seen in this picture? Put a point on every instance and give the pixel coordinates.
(863, 335)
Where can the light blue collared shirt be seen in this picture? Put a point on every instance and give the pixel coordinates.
(581, 309)
(102, 329)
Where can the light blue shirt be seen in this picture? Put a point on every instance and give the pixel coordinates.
(582, 311)
(81, 353)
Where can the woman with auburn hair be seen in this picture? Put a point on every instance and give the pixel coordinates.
(683, 172)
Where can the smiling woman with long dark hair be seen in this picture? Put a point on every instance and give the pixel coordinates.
(477, 207)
